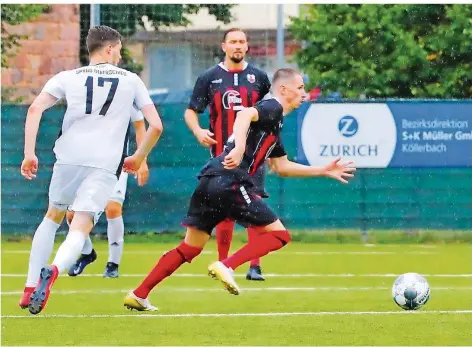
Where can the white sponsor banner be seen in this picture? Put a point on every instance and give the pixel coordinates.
(363, 133)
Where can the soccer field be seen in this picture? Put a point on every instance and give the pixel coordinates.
(315, 294)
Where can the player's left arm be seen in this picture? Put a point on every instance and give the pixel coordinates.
(336, 170)
(143, 102)
(30, 163)
(240, 129)
(142, 175)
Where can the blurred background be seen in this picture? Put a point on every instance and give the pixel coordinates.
(412, 61)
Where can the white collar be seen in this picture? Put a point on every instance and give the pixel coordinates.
(226, 69)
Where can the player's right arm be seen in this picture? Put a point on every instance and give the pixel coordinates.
(240, 130)
(198, 103)
(267, 112)
(51, 92)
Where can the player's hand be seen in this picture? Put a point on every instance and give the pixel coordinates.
(29, 166)
(131, 164)
(142, 174)
(204, 136)
(340, 171)
(233, 159)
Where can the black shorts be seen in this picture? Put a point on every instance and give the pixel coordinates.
(259, 182)
(217, 198)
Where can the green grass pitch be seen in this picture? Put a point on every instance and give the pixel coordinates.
(315, 294)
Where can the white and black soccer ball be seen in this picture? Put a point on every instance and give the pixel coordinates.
(410, 291)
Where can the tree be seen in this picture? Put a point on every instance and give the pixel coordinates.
(387, 50)
(128, 19)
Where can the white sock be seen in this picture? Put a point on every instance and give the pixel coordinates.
(69, 251)
(41, 249)
(116, 233)
(87, 246)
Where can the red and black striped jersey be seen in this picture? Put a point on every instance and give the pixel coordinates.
(226, 92)
(263, 141)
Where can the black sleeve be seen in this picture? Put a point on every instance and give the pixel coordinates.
(278, 151)
(199, 99)
(270, 112)
(265, 88)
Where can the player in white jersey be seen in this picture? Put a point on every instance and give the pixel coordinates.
(114, 215)
(89, 151)
(113, 212)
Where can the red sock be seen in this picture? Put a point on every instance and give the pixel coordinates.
(253, 232)
(264, 243)
(168, 263)
(224, 236)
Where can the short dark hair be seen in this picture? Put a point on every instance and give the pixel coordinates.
(99, 36)
(230, 30)
(284, 73)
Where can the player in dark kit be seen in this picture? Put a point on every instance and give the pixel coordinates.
(226, 189)
(227, 88)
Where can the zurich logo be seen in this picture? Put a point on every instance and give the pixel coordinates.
(348, 126)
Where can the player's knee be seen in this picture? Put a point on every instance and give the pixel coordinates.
(188, 252)
(113, 210)
(283, 236)
(55, 214)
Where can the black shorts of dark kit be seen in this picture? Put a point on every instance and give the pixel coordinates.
(219, 197)
(259, 182)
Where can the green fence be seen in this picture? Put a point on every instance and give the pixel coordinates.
(376, 198)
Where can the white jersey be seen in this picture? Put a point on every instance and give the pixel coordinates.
(95, 126)
(136, 115)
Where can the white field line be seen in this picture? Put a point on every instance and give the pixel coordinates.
(262, 314)
(269, 275)
(249, 289)
(156, 252)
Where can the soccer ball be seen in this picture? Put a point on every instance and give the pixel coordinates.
(410, 291)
